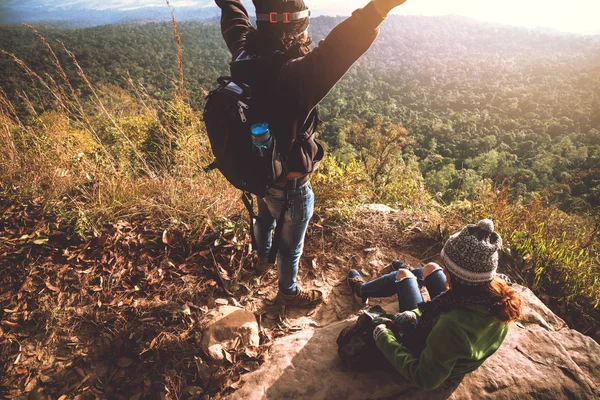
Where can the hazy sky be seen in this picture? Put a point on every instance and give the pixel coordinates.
(581, 16)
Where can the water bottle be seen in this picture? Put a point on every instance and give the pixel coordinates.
(261, 138)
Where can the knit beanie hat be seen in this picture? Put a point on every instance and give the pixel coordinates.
(281, 15)
(471, 255)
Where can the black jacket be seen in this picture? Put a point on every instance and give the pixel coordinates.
(303, 82)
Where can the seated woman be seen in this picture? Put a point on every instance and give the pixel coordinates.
(455, 332)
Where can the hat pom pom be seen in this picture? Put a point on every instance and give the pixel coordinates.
(486, 225)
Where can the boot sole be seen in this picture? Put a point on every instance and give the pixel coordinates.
(359, 300)
(299, 305)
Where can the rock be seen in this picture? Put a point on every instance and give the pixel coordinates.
(227, 324)
(542, 359)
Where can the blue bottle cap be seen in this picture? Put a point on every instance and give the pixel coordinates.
(259, 129)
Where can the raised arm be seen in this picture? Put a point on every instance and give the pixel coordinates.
(234, 23)
(310, 78)
(385, 6)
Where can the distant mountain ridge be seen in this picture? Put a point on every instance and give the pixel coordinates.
(81, 14)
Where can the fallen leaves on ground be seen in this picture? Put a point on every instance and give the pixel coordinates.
(117, 313)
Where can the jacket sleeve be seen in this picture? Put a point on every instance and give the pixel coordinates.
(234, 23)
(445, 345)
(311, 77)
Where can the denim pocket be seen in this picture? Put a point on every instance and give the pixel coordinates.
(308, 202)
(275, 200)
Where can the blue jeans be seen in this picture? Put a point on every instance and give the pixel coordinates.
(408, 289)
(300, 206)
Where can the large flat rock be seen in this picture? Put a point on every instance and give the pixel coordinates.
(540, 359)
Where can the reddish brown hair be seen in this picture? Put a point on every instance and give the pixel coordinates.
(506, 302)
(507, 308)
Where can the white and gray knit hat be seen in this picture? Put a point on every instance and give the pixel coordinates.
(471, 255)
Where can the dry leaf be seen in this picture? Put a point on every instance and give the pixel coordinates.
(20, 370)
(237, 385)
(252, 351)
(193, 390)
(223, 273)
(203, 368)
(30, 385)
(250, 366)
(204, 253)
(52, 287)
(124, 362)
(228, 356)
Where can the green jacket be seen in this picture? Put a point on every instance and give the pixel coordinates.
(459, 342)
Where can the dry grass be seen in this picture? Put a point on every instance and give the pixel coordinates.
(113, 157)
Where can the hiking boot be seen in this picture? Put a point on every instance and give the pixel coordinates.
(355, 281)
(397, 264)
(302, 298)
(263, 266)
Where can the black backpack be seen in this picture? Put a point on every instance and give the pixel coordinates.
(356, 345)
(238, 103)
(231, 109)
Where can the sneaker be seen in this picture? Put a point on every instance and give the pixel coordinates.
(300, 299)
(263, 266)
(397, 264)
(355, 281)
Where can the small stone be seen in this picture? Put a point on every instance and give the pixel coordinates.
(228, 325)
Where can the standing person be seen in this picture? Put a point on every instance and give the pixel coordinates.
(297, 85)
(455, 332)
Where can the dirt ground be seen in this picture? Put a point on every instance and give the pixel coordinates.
(118, 314)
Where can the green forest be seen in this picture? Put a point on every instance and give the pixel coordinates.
(486, 105)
